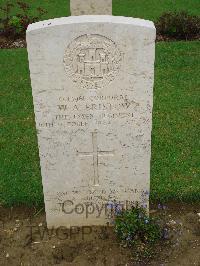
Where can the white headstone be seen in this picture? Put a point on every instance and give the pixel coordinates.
(92, 81)
(91, 7)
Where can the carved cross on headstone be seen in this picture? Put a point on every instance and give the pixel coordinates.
(95, 154)
(91, 7)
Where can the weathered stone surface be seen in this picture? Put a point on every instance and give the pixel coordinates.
(92, 81)
(91, 7)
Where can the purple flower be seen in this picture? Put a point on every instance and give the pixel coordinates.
(110, 205)
(165, 233)
(161, 207)
(144, 206)
(128, 238)
(118, 211)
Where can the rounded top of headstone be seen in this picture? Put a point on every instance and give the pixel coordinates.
(91, 19)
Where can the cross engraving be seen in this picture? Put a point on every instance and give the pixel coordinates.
(95, 154)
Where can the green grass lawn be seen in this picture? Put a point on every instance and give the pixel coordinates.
(175, 169)
(148, 9)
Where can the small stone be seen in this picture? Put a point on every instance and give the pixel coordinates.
(7, 255)
(171, 223)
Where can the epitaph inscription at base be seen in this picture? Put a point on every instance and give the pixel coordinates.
(92, 82)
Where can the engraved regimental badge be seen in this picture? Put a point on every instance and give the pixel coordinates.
(92, 61)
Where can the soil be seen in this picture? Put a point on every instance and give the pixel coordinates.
(7, 43)
(25, 240)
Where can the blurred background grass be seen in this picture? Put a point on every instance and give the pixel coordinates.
(147, 9)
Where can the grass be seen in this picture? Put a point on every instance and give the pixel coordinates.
(175, 168)
(147, 9)
(175, 143)
(20, 180)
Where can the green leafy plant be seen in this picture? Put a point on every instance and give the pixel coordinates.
(135, 229)
(179, 25)
(15, 26)
(15, 22)
(4, 22)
